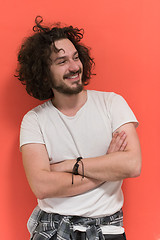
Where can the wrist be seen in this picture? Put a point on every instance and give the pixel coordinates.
(68, 165)
(76, 167)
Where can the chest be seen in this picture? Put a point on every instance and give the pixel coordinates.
(87, 135)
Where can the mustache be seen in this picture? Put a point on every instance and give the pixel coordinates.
(72, 73)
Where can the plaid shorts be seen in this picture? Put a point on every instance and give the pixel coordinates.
(43, 226)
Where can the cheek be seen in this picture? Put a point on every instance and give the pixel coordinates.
(57, 72)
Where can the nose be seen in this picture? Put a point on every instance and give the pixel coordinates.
(73, 66)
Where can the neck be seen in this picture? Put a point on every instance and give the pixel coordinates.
(69, 104)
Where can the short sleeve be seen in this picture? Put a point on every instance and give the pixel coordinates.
(120, 112)
(30, 131)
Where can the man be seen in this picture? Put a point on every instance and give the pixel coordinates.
(78, 146)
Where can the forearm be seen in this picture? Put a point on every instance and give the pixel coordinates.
(46, 182)
(59, 184)
(112, 167)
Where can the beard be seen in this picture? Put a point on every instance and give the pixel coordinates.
(62, 87)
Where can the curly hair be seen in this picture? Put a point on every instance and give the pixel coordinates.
(34, 57)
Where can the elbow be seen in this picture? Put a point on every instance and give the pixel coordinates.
(40, 196)
(135, 170)
(41, 188)
(43, 192)
(40, 192)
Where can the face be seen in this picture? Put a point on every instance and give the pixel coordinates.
(66, 69)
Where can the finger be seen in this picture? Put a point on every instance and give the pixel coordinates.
(123, 146)
(112, 143)
(113, 147)
(117, 142)
(121, 134)
(120, 140)
(115, 135)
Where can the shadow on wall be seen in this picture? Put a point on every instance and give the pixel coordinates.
(18, 101)
(20, 199)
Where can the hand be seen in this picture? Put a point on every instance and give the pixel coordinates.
(118, 142)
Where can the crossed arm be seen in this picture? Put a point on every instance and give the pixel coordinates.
(123, 160)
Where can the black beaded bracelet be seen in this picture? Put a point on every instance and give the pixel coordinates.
(76, 166)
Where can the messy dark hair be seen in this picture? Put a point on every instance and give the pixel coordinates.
(34, 57)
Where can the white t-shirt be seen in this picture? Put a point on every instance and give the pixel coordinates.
(87, 134)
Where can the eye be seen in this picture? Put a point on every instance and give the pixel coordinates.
(76, 57)
(61, 62)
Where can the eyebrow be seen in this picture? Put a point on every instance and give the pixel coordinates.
(64, 57)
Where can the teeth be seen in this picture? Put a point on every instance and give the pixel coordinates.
(74, 76)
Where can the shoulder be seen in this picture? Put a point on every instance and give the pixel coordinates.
(38, 111)
(107, 97)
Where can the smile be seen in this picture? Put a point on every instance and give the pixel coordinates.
(73, 77)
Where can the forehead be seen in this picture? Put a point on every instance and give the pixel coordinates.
(65, 48)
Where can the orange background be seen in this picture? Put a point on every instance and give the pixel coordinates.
(125, 39)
